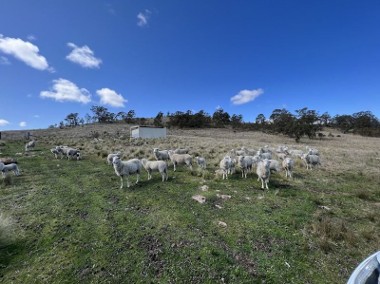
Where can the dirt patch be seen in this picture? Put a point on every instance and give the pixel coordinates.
(153, 248)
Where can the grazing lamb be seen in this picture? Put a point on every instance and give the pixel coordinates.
(225, 166)
(181, 159)
(263, 172)
(160, 166)
(30, 145)
(288, 165)
(161, 155)
(126, 168)
(201, 161)
(110, 157)
(10, 167)
(310, 160)
(181, 151)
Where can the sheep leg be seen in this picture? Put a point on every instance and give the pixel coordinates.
(174, 163)
(121, 182)
(138, 178)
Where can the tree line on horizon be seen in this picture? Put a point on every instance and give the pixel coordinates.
(302, 123)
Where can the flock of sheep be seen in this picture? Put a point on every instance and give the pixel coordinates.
(244, 159)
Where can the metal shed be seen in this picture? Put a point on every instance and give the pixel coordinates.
(143, 131)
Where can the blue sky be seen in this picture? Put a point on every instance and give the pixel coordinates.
(245, 56)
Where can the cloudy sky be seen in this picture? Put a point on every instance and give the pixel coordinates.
(245, 56)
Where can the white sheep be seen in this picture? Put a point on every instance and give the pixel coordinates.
(225, 166)
(282, 156)
(72, 152)
(245, 163)
(126, 168)
(288, 165)
(181, 159)
(161, 155)
(201, 161)
(310, 160)
(264, 155)
(55, 152)
(30, 145)
(9, 167)
(110, 157)
(160, 166)
(181, 151)
(274, 165)
(312, 151)
(263, 172)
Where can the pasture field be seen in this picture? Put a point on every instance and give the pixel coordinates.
(67, 221)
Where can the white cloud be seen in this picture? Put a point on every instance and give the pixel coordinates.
(245, 96)
(36, 116)
(3, 122)
(24, 51)
(83, 56)
(22, 124)
(110, 97)
(143, 17)
(65, 91)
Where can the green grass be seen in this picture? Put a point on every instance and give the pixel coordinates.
(71, 223)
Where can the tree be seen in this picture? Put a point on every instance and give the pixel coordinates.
(236, 120)
(344, 122)
(121, 115)
(307, 122)
(221, 118)
(72, 119)
(102, 115)
(260, 119)
(325, 119)
(130, 118)
(158, 119)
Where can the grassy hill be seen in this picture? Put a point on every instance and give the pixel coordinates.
(68, 222)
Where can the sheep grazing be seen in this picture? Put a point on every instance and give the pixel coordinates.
(181, 151)
(30, 145)
(310, 160)
(201, 161)
(71, 152)
(288, 165)
(225, 166)
(282, 149)
(263, 172)
(110, 157)
(56, 151)
(181, 159)
(160, 166)
(10, 167)
(126, 168)
(161, 155)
